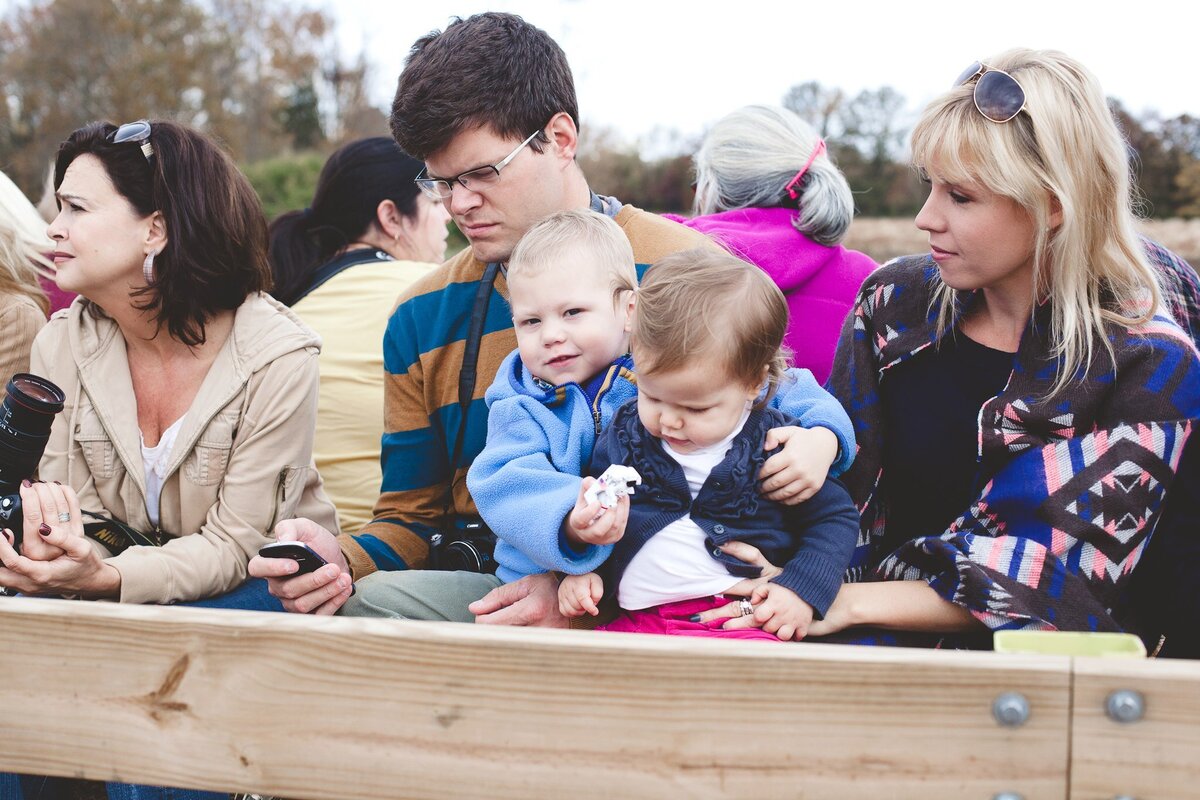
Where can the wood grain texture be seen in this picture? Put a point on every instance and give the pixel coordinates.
(1155, 757)
(345, 708)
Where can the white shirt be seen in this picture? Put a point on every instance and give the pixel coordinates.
(675, 563)
(154, 459)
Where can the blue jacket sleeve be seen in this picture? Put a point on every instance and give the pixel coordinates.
(800, 396)
(826, 530)
(520, 494)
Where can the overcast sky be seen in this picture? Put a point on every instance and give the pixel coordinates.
(646, 64)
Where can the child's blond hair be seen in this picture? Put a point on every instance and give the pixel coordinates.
(556, 242)
(709, 305)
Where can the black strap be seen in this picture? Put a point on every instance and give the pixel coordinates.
(338, 265)
(468, 374)
(115, 535)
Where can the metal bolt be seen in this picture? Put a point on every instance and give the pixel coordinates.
(1008, 796)
(1010, 709)
(1125, 705)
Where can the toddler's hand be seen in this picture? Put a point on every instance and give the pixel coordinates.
(778, 610)
(799, 470)
(580, 593)
(591, 523)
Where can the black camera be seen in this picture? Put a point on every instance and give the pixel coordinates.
(26, 416)
(467, 546)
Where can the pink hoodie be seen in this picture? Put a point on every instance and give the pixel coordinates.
(819, 282)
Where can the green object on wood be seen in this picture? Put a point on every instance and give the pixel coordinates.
(1070, 643)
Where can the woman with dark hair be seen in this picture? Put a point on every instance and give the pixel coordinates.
(768, 191)
(190, 394)
(341, 264)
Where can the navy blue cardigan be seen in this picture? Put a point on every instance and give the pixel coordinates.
(813, 540)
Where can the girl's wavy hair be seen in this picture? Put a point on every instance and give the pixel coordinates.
(750, 156)
(709, 306)
(1062, 154)
(216, 251)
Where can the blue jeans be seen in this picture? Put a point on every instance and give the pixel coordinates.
(250, 596)
(33, 787)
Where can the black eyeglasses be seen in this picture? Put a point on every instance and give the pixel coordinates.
(473, 180)
(998, 96)
(136, 133)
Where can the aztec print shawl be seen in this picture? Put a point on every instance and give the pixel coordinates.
(1077, 481)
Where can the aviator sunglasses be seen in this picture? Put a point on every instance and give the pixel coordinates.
(136, 133)
(998, 96)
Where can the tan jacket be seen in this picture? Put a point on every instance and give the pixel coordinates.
(241, 463)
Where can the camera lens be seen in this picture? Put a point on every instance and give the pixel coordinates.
(462, 555)
(26, 416)
(25, 420)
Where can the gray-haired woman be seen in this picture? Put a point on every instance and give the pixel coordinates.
(767, 190)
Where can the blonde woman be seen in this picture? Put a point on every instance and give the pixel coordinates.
(1020, 399)
(23, 306)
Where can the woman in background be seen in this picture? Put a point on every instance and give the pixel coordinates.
(341, 264)
(23, 261)
(768, 191)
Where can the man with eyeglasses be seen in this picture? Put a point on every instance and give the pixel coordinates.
(489, 105)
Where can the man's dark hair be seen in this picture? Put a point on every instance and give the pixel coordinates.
(216, 250)
(494, 70)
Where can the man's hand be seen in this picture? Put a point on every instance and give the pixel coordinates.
(320, 592)
(799, 470)
(579, 594)
(531, 601)
(591, 523)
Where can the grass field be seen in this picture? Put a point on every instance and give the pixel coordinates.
(887, 238)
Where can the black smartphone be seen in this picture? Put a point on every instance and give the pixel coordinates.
(301, 553)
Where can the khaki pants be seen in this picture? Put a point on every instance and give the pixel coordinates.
(419, 594)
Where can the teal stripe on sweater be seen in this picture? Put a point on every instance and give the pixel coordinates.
(404, 474)
(434, 320)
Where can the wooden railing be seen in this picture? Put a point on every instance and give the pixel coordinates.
(352, 708)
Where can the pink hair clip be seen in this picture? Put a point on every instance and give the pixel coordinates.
(791, 187)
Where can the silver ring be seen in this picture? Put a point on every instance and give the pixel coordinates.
(64, 516)
(745, 607)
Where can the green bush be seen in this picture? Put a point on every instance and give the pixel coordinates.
(285, 183)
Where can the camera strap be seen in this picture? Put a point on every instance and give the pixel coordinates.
(468, 374)
(116, 536)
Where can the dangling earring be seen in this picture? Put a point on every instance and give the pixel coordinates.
(148, 266)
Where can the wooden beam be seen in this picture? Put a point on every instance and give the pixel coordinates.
(353, 708)
(1154, 756)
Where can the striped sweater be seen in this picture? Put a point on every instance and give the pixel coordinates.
(422, 356)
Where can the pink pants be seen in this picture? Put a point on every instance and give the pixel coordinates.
(672, 619)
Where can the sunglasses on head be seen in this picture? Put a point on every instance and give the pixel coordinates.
(135, 133)
(998, 96)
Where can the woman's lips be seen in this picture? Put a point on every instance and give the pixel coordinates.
(58, 256)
